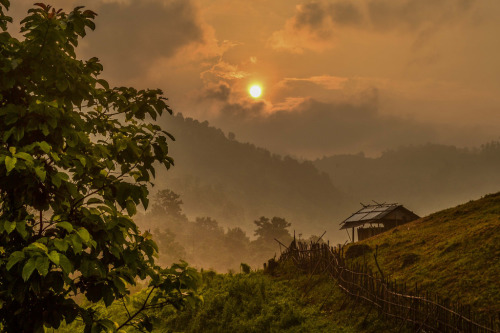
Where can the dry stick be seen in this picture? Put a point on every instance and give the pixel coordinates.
(142, 308)
(286, 247)
(376, 262)
(320, 238)
(41, 223)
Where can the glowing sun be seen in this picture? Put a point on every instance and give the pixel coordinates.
(255, 91)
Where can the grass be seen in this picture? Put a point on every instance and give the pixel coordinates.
(454, 253)
(256, 302)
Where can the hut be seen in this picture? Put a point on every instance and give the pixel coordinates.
(374, 219)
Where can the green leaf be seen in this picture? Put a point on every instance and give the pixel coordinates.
(42, 265)
(21, 228)
(28, 269)
(62, 85)
(14, 258)
(54, 256)
(10, 163)
(24, 156)
(61, 244)
(77, 243)
(9, 226)
(65, 225)
(44, 146)
(65, 264)
(108, 324)
(131, 208)
(103, 83)
(84, 235)
(120, 285)
(40, 173)
(93, 201)
(40, 246)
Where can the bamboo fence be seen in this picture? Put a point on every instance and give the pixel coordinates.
(416, 308)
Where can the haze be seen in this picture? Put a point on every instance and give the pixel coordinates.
(338, 76)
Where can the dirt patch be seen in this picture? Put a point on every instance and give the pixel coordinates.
(409, 259)
(357, 250)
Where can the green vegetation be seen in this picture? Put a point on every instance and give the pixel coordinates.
(454, 253)
(76, 159)
(255, 302)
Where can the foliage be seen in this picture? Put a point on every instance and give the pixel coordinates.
(276, 228)
(139, 308)
(256, 302)
(168, 204)
(76, 157)
(246, 303)
(205, 244)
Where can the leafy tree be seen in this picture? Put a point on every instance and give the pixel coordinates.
(167, 204)
(76, 157)
(267, 230)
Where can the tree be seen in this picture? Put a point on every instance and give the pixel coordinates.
(167, 204)
(76, 157)
(267, 230)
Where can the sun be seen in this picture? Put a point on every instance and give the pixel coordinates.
(255, 91)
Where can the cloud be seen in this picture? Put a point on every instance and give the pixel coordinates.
(315, 128)
(315, 23)
(415, 15)
(310, 28)
(218, 92)
(223, 70)
(130, 36)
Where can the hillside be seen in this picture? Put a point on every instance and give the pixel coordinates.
(236, 183)
(424, 178)
(454, 253)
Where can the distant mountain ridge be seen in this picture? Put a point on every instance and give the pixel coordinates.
(236, 183)
(424, 178)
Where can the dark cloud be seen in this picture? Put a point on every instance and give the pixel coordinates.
(243, 111)
(315, 15)
(345, 13)
(415, 15)
(317, 21)
(311, 15)
(220, 93)
(129, 37)
(323, 128)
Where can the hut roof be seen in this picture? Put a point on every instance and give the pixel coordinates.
(367, 214)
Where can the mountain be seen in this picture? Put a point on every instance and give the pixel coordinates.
(236, 183)
(424, 178)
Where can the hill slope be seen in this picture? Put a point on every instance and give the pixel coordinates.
(454, 253)
(236, 183)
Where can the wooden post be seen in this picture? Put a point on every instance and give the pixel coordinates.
(353, 234)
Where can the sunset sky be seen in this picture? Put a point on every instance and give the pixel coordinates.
(336, 76)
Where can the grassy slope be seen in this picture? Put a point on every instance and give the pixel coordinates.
(255, 303)
(292, 302)
(455, 252)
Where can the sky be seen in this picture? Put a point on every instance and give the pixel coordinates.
(336, 76)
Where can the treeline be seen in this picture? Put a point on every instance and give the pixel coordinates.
(235, 182)
(203, 243)
(425, 178)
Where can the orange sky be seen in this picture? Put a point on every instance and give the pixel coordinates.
(337, 76)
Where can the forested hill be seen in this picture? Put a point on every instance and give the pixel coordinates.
(236, 183)
(425, 178)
